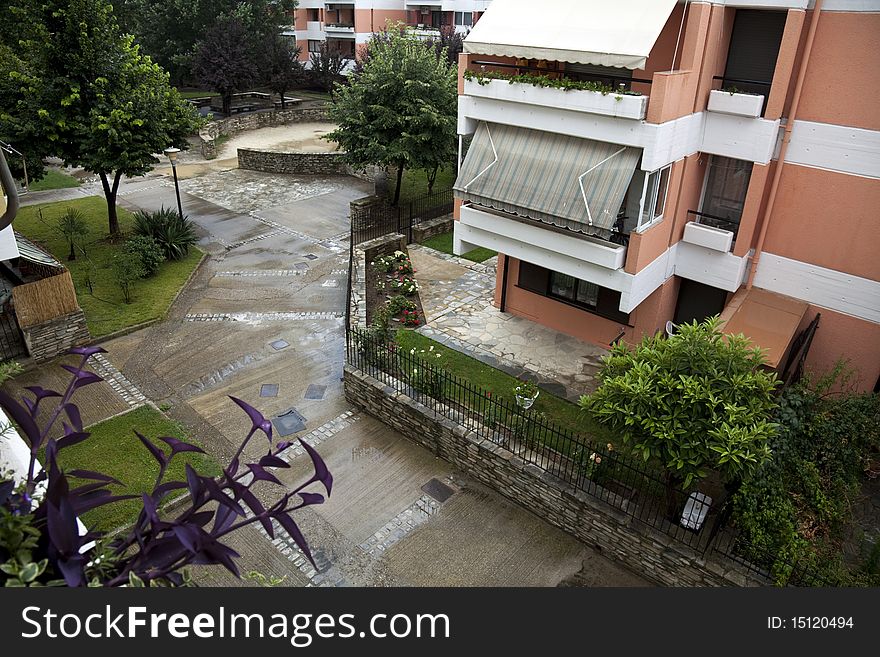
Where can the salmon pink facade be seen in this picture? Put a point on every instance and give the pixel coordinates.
(725, 160)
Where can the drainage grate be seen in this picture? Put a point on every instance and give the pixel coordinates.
(310, 256)
(315, 391)
(278, 345)
(438, 490)
(301, 266)
(291, 421)
(269, 390)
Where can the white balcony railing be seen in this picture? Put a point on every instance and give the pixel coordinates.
(594, 102)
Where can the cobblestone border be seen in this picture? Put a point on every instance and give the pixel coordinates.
(117, 380)
(235, 245)
(274, 273)
(317, 436)
(331, 243)
(256, 318)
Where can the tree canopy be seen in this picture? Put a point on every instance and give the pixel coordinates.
(88, 96)
(400, 110)
(695, 401)
(226, 60)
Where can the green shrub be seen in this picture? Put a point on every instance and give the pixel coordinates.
(175, 234)
(126, 270)
(147, 250)
(72, 224)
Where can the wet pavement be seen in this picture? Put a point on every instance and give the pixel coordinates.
(264, 314)
(457, 297)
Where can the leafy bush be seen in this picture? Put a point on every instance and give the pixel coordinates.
(40, 542)
(795, 507)
(399, 304)
(126, 270)
(175, 234)
(147, 250)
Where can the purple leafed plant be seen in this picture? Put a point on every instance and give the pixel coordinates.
(155, 550)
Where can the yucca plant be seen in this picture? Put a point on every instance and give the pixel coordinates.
(72, 224)
(175, 234)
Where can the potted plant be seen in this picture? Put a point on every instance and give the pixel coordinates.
(526, 393)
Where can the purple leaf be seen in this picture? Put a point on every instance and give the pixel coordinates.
(293, 530)
(157, 453)
(96, 476)
(251, 500)
(22, 417)
(150, 508)
(259, 422)
(40, 394)
(193, 482)
(322, 474)
(95, 500)
(202, 518)
(262, 475)
(271, 461)
(178, 446)
(310, 499)
(163, 489)
(87, 351)
(82, 377)
(75, 418)
(72, 569)
(6, 488)
(223, 519)
(284, 444)
(72, 439)
(188, 537)
(216, 494)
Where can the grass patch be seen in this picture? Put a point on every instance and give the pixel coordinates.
(105, 309)
(53, 179)
(443, 243)
(113, 449)
(415, 182)
(558, 410)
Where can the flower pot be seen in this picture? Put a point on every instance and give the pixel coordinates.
(525, 402)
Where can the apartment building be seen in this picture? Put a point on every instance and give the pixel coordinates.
(729, 164)
(345, 25)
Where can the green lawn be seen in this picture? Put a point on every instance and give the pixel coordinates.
(501, 385)
(105, 309)
(53, 179)
(198, 93)
(415, 182)
(113, 449)
(443, 243)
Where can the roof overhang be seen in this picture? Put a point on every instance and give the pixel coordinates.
(617, 33)
(768, 319)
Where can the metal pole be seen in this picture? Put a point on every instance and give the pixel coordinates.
(177, 190)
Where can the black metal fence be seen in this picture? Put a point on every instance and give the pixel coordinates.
(11, 340)
(382, 219)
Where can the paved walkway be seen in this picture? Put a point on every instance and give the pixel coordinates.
(397, 515)
(457, 296)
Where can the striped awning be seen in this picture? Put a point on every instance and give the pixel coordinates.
(569, 182)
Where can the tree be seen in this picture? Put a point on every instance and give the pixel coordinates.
(694, 402)
(93, 99)
(400, 111)
(450, 44)
(40, 542)
(326, 67)
(170, 31)
(281, 66)
(226, 60)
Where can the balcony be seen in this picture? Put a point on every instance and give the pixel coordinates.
(314, 31)
(594, 94)
(339, 29)
(704, 256)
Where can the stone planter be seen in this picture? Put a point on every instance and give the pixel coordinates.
(526, 402)
(735, 103)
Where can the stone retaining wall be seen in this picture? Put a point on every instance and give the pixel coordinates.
(303, 163)
(253, 121)
(48, 339)
(431, 228)
(618, 536)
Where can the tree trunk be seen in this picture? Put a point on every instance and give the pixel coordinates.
(110, 195)
(227, 103)
(72, 255)
(432, 178)
(283, 102)
(399, 181)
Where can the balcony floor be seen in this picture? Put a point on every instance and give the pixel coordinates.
(457, 296)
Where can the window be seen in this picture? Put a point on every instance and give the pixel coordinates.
(654, 197)
(314, 46)
(568, 289)
(727, 183)
(464, 18)
(313, 15)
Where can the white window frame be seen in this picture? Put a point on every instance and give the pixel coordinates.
(650, 192)
(459, 15)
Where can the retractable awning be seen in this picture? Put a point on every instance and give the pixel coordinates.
(617, 33)
(569, 182)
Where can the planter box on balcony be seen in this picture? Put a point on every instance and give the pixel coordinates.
(593, 102)
(738, 104)
(708, 237)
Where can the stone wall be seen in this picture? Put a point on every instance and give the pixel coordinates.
(48, 339)
(253, 121)
(431, 228)
(303, 163)
(615, 534)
